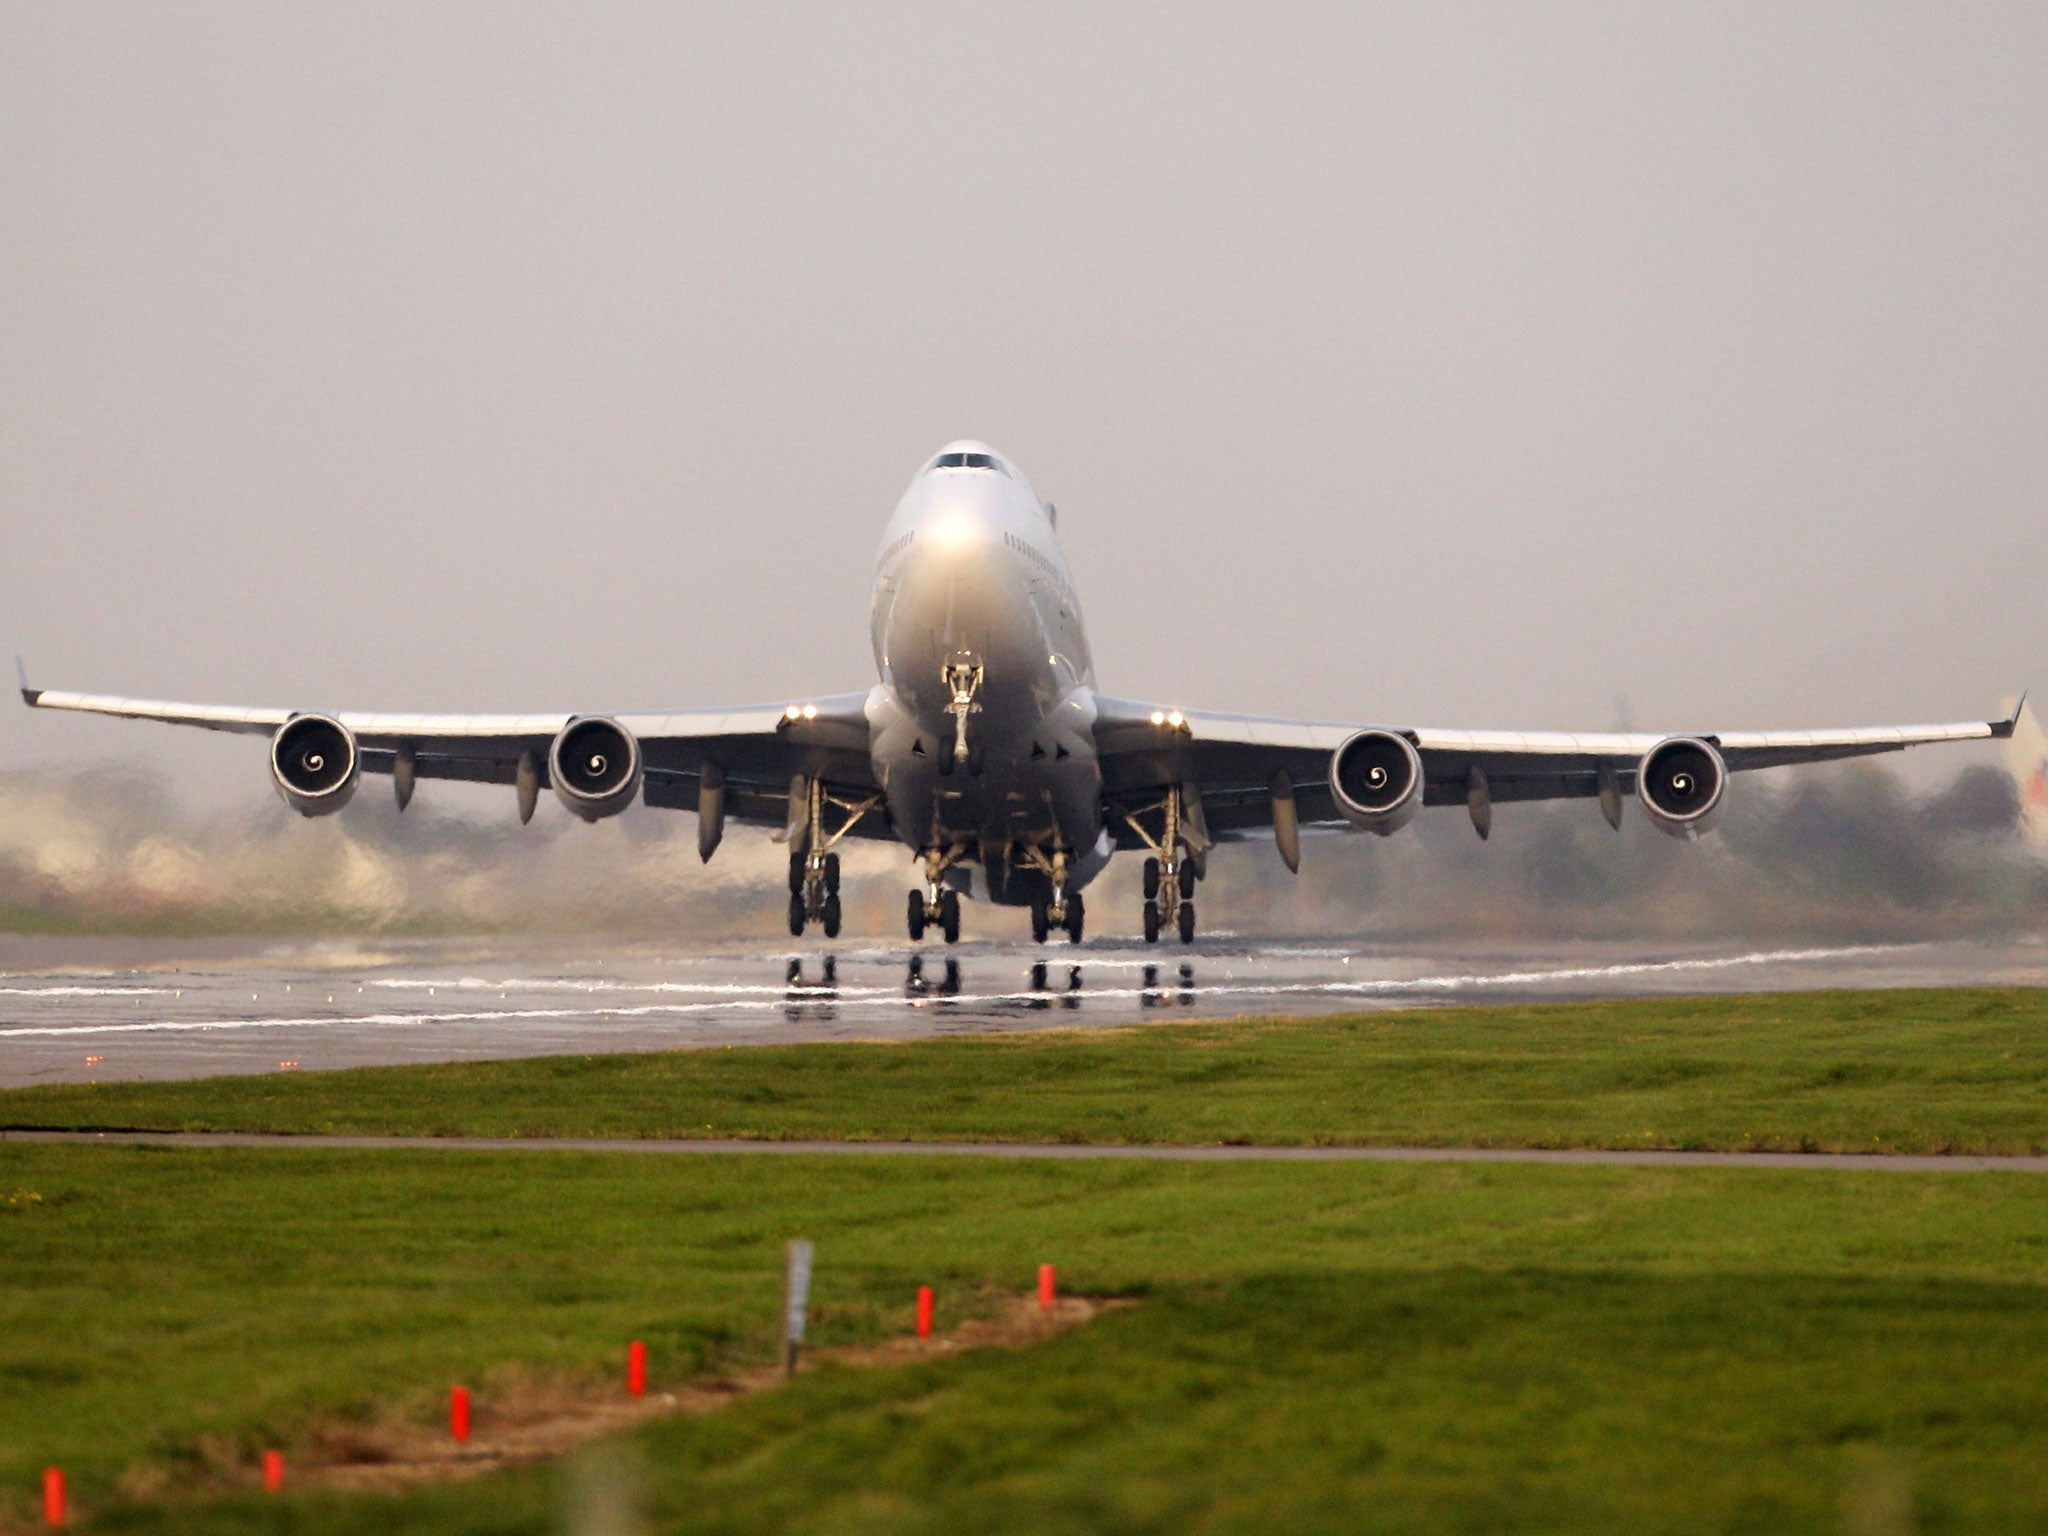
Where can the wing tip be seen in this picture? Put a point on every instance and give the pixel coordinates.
(2002, 729)
(29, 696)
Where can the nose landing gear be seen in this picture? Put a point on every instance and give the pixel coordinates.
(962, 674)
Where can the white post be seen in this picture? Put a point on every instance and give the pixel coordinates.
(796, 1304)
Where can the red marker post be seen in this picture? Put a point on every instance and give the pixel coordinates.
(924, 1311)
(458, 1413)
(636, 1368)
(273, 1471)
(53, 1496)
(1048, 1287)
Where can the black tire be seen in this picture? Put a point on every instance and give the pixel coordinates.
(1151, 879)
(832, 874)
(1187, 922)
(1187, 880)
(949, 915)
(831, 916)
(796, 874)
(1041, 921)
(917, 916)
(1151, 922)
(1075, 917)
(796, 916)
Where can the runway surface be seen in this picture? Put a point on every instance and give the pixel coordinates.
(323, 1007)
(1839, 1162)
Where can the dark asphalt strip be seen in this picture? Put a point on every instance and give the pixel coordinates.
(1851, 1161)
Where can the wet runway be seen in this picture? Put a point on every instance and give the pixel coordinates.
(329, 1007)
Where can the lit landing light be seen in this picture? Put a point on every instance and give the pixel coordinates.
(801, 712)
(1172, 719)
(954, 529)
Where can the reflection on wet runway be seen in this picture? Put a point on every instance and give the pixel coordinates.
(429, 1004)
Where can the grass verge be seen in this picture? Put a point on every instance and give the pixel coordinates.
(1323, 1347)
(1910, 1071)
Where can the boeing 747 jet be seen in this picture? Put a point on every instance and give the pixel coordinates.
(984, 748)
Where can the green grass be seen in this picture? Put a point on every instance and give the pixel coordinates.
(1920, 1071)
(1320, 1347)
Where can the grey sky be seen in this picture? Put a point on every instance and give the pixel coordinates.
(1397, 364)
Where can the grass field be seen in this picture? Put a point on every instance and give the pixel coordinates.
(1916, 1071)
(1319, 1347)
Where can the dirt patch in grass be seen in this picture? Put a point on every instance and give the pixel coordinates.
(518, 1421)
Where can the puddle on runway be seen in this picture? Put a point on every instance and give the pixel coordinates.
(268, 1016)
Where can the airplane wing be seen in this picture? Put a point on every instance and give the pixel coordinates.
(758, 748)
(1232, 759)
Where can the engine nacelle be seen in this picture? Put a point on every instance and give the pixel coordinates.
(1377, 779)
(314, 761)
(594, 765)
(1680, 782)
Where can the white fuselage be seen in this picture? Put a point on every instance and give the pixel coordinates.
(972, 584)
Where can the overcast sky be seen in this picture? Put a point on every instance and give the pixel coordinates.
(1402, 364)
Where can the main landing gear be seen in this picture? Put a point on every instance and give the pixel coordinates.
(813, 866)
(1170, 875)
(937, 905)
(1063, 909)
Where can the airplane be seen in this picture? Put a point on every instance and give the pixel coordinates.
(984, 748)
(2026, 756)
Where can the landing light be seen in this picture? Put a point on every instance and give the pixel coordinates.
(810, 711)
(955, 529)
(1159, 717)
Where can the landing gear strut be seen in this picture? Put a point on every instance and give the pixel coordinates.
(937, 904)
(962, 674)
(813, 866)
(1170, 875)
(1063, 909)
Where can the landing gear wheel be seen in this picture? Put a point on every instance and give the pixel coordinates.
(832, 916)
(1074, 918)
(1187, 881)
(1151, 879)
(1041, 923)
(832, 874)
(917, 916)
(1151, 922)
(1187, 922)
(796, 874)
(796, 916)
(949, 915)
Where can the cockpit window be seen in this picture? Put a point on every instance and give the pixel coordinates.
(969, 461)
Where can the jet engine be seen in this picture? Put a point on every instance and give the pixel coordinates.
(1680, 782)
(314, 760)
(595, 767)
(1377, 779)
